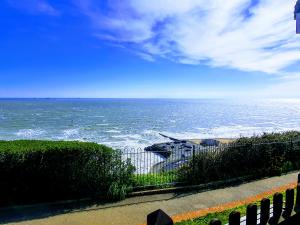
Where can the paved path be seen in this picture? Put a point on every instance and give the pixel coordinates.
(133, 211)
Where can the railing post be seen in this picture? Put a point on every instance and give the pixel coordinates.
(215, 222)
(277, 207)
(264, 211)
(234, 218)
(289, 202)
(251, 217)
(193, 152)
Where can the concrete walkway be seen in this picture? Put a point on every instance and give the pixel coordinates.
(133, 211)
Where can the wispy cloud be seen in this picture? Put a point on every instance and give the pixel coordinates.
(249, 35)
(34, 7)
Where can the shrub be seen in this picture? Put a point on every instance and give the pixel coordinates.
(35, 171)
(258, 156)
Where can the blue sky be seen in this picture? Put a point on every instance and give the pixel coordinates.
(134, 48)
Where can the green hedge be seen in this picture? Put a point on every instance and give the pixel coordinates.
(258, 156)
(35, 171)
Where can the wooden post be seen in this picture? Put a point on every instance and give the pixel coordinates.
(234, 218)
(251, 217)
(298, 182)
(277, 207)
(289, 202)
(264, 211)
(159, 217)
(215, 222)
(298, 197)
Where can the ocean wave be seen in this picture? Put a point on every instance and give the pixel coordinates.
(128, 136)
(30, 133)
(113, 131)
(239, 131)
(70, 132)
(236, 131)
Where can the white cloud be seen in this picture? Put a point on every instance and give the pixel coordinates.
(34, 7)
(236, 33)
(285, 89)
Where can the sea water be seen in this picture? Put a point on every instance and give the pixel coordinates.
(136, 123)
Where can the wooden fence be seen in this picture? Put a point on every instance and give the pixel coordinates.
(283, 212)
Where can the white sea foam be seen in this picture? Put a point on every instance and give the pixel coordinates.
(30, 133)
(70, 132)
(216, 132)
(128, 136)
(227, 132)
(113, 131)
(131, 144)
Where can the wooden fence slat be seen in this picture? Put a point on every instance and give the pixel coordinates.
(264, 211)
(215, 222)
(277, 207)
(251, 217)
(159, 217)
(289, 202)
(235, 218)
(277, 204)
(298, 197)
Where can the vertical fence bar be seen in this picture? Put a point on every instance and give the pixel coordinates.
(155, 170)
(150, 171)
(234, 218)
(289, 202)
(251, 215)
(145, 166)
(193, 160)
(264, 211)
(137, 163)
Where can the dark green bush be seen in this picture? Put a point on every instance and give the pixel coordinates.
(35, 171)
(258, 156)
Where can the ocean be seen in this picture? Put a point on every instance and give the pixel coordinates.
(136, 123)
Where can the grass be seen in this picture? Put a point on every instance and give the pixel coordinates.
(223, 216)
(160, 179)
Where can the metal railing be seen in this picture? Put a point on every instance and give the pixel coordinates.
(160, 167)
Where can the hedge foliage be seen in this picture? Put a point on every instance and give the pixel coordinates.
(34, 171)
(258, 156)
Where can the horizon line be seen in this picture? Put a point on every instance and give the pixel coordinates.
(153, 98)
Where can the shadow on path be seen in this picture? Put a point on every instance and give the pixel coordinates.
(41, 211)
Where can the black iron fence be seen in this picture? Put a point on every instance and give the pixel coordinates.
(160, 166)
